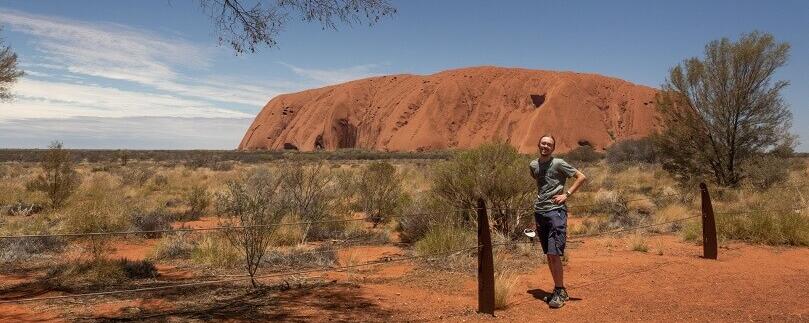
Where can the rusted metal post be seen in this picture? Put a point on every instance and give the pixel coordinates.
(485, 262)
(710, 249)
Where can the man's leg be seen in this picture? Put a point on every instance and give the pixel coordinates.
(555, 264)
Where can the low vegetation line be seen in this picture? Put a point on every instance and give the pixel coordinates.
(241, 278)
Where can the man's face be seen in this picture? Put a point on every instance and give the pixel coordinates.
(546, 146)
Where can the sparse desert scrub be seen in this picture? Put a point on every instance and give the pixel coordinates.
(101, 206)
(214, 251)
(298, 257)
(638, 242)
(150, 220)
(443, 240)
(24, 249)
(774, 216)
(177, 245)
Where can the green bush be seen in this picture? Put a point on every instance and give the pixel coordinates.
(59, 180)
(766, 170)
(311, 194)
(495, 172)
(585, 154)
(443, 239)
(178, 245)
(632, 151)
(137, 269)
(379, 192)
(154, 220)
(423, 214)
(215, 251)
(771, 228)
(198, 202)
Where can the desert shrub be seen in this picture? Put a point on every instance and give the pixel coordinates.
(766, 170)
(21, 208)
(22, 249)
(135, 175)
(424, 213)
(767, 227)
(288, 235)
(178, 245)
(216, 251)
(584, 154)
(151, 220)
(94, 274)
(632, 151)
(137, 269)
(159, 181)
(692, 231)
(495, 172)
(102, 207)
(59, 180)
(298, 258)
(379, 192)
(771, 228)
(311, 194)
(638, 242)
(439, 240)
(198, 201)
(252, 204)
(505, 280)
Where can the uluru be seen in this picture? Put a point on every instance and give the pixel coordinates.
(459, 108)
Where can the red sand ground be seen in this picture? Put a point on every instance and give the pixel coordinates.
(459, 108)
(607, 282)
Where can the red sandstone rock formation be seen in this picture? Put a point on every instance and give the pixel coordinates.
(459, 108)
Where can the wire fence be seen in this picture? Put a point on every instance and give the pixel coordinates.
(334, 247)
(280, 224)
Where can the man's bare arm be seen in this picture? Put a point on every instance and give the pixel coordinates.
(580, 179)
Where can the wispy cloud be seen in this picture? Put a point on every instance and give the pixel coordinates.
(116, 52)
(44, 99)
(334, 76)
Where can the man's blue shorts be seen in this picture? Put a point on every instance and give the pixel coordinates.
(552, 230)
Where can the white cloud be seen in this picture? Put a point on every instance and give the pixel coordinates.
(118, 52)
(335, 76)
(44, 99)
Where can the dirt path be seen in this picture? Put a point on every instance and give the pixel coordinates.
(607, 283)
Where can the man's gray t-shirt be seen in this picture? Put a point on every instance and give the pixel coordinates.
(550, 176)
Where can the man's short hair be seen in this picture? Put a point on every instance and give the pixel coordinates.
(549, 136)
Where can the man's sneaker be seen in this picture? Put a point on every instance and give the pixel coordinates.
(558, 298)
(556, 301)
(563, 294)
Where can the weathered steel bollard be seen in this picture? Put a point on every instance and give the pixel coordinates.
(485, 262)
(710, 249)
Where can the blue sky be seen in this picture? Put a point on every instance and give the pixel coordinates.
(150, 74)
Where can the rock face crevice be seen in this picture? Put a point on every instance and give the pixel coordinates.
(459, 108)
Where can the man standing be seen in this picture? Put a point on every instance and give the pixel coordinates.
(550, 212)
